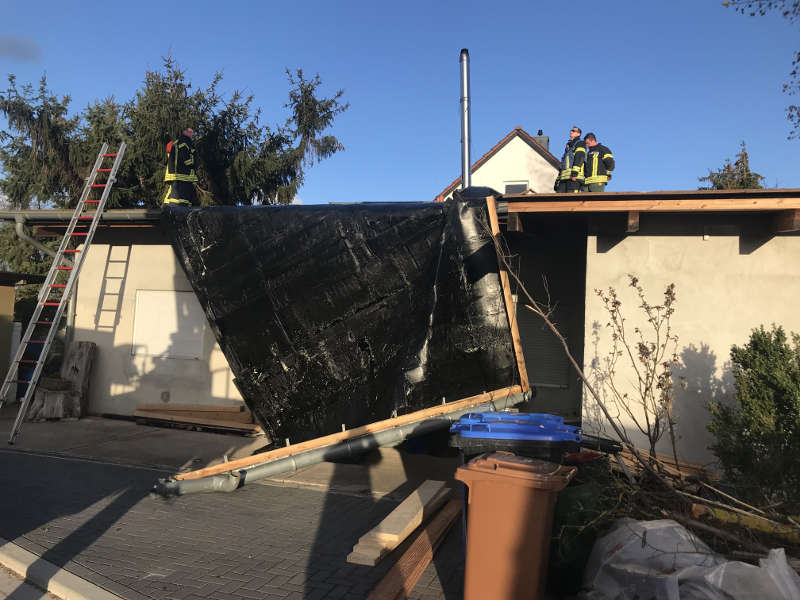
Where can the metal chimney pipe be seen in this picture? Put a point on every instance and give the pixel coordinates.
(465, 140)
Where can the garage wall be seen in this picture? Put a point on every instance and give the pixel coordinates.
(170, 355)
(730, 275)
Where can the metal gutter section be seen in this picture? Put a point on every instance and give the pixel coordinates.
(228, 482)
(466, 174)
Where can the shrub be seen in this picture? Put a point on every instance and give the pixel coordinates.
(758, 439)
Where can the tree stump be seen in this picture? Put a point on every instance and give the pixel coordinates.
(66, 396)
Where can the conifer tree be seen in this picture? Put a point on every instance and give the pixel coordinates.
(734, 175)
(45, 154)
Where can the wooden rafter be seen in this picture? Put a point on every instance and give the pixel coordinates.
(599, 204)
(494, 223)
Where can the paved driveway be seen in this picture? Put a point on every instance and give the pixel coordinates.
(99, 522)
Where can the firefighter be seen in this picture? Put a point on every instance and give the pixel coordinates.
(570, 177)
(180, 175)
(598, 167)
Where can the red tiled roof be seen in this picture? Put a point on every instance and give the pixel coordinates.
(516, 132)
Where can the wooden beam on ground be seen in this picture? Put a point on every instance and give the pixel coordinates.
(335, 438)
(598, 204)
(204, 415)
(787, 221)
(401, 579)
(399, 524)
(192, 407)
(144, 414)
(633, 222)
(511, 309)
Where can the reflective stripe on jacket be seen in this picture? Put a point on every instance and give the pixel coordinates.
(599, 164)
(180, 160)
(573, 159)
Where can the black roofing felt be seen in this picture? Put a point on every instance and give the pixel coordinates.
(347, 313)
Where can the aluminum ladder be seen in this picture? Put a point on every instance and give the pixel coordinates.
(59, 284)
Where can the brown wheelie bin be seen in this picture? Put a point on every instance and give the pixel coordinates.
(510, 516)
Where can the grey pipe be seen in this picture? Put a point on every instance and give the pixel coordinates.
(19, 229)
(466, 175)
(389, 437)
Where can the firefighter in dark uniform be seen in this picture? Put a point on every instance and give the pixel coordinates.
(598, 167)
(570, 178)
(180, 175)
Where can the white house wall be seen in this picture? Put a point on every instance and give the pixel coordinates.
(516, 161)
(725, 285)
(106, 307)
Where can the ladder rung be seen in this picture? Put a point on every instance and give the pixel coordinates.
(71, 251)
(104, 170)
(86, 217)
(28, 361)
(36, 341)
(51, 303)
(58, 285)
(79, 233)
(91, 201)
(20, 381)
(109, 155)
(64, 268)
(98, 185)
(43, 322)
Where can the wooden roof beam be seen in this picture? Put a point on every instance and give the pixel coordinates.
(656, 205)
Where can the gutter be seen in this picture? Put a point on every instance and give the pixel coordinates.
(232, 480)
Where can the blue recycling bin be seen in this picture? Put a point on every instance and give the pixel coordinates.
(536, 435)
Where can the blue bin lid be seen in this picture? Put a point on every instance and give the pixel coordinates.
(516, 426)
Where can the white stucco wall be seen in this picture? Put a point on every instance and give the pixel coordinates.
(725, 287)
(105, 308)
(516, 161)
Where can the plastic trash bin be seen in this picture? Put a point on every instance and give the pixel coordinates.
(511, 503)
(536, 435)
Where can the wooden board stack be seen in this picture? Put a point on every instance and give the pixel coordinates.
(399, 524)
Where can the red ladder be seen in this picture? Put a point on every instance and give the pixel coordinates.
(59, 284)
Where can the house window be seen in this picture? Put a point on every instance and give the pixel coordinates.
(516, 187)
(168, 324)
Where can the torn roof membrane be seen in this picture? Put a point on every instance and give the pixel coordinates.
(346, 314)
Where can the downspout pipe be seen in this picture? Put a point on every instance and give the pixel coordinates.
(466, 175)
(19, 229)
(228, 482)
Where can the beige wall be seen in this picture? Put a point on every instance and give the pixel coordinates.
(514, 162)
(7, 297)
(106, 304)
(726, 284)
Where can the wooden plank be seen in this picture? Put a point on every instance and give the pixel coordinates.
(787, 221)
(633, 221)
(239, 417)
(401, 579)
(598, 204)
(370, 551)
(407, 516)
(335, 438)
(198, 421)
(192, 407)
(510, 308)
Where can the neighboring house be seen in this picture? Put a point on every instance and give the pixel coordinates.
(734, 257)
(517, 163)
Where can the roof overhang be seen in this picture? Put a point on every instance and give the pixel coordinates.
(136, 217)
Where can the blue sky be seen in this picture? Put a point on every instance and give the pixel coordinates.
(671, 87)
